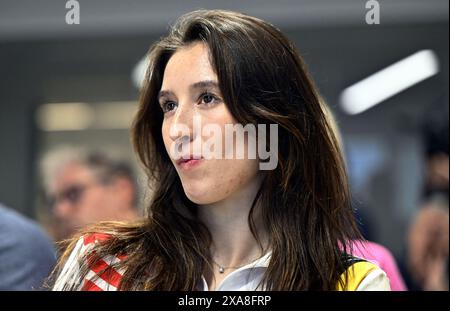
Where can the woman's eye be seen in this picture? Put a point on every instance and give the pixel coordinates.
(208, 99)
(168, 106)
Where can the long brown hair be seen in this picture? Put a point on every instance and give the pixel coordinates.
(305, 202)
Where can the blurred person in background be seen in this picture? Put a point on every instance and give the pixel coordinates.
(85, 187)
(26, 254)
(428, 239)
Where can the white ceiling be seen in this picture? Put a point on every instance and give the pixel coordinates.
(31, 19)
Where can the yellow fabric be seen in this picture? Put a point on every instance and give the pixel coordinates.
(356, 273)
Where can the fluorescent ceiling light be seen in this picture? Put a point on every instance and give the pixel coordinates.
(115, 115)
(389, 81)
(65, 116)
(83, 116)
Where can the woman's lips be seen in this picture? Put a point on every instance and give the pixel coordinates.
(187, 164)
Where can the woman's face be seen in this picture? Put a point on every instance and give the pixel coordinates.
(190, 92)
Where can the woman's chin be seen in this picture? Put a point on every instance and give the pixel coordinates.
(199, 195)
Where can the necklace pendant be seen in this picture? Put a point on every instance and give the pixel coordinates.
(221, 270)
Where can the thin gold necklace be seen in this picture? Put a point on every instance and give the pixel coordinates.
(223, 268)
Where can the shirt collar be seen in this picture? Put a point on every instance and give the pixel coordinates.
(235, 281)
(262, 262)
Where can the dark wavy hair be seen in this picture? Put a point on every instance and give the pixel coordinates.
(304, 202)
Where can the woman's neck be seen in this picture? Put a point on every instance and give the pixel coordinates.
(233, 242)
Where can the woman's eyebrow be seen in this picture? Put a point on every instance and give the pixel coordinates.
(204, 84)
(163, 93)
(197, 85)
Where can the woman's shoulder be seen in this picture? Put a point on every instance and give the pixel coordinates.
(375, 280)
(364, 275)
(84, 269)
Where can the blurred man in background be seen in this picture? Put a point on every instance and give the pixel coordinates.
(26, 254)
(428, 240)
(85, 187)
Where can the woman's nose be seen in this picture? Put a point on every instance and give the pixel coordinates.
(182, 125)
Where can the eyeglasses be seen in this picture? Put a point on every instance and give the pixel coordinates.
(71, 194)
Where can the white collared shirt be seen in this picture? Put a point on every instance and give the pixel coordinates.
(244, 278)
(248, 277)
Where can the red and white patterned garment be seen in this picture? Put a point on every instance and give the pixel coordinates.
(101, 276)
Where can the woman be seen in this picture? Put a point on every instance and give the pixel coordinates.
(223, 223)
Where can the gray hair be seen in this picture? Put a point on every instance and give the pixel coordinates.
(104, 167)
